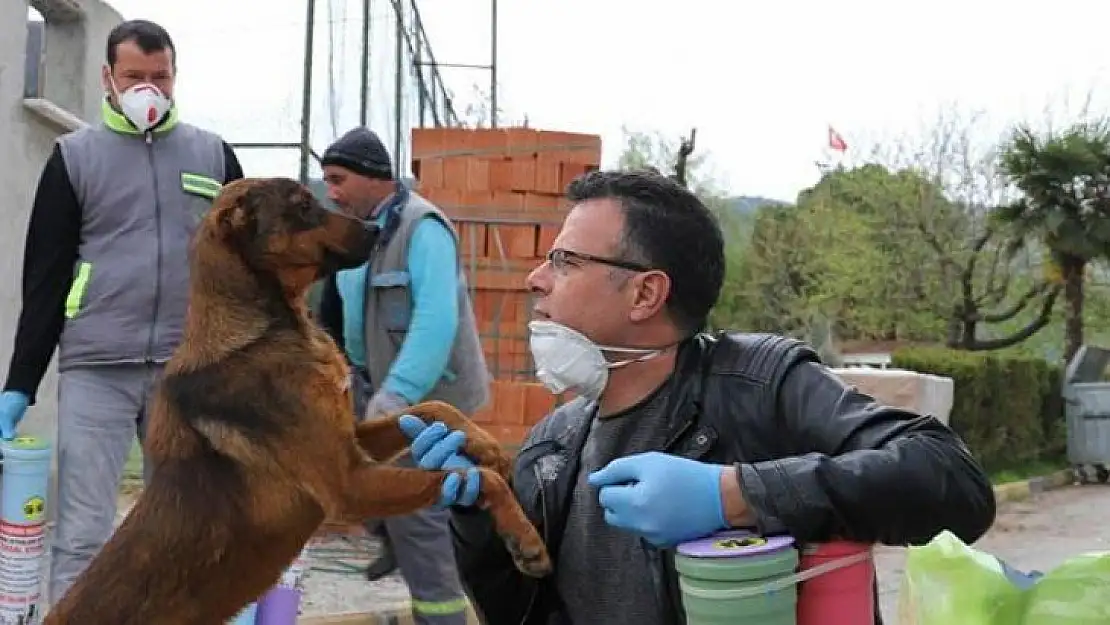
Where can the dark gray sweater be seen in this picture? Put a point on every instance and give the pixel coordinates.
(603, 574)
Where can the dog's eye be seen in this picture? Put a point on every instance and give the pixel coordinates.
(304, 212)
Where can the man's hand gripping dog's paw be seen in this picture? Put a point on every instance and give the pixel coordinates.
(438, 447)
(434, 448)
(471, 442)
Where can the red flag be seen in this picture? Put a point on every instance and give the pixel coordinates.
(837, 142)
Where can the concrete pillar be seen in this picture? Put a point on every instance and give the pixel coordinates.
(75, 35)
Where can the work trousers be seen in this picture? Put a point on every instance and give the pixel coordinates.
(100, 411)
(423, 547)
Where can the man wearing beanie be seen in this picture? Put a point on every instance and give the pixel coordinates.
(408, 340)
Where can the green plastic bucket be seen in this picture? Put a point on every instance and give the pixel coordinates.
(738, 577)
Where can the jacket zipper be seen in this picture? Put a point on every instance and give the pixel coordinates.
(158, 259)
(546, 527)
(678, 435)
(658, 575)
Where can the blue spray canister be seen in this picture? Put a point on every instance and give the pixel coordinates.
(248, 616)
(23, 490)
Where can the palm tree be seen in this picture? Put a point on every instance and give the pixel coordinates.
(1064, 181)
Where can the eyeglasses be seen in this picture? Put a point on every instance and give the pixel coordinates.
(561, 259)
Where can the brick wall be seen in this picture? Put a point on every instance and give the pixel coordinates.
(503, 189)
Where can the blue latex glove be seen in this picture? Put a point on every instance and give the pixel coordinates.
(13, 405)
(435, 447)
(1022, 580)
(666, 499)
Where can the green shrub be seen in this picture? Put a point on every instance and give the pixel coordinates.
(1007, 408)
(1053, 423)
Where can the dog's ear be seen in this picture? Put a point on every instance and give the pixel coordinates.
(235, 219)
(240, 219)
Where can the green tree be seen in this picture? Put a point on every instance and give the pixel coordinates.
(847, 252)
(887, 256)
(805, 267)
(899, 283)
(1064, 180)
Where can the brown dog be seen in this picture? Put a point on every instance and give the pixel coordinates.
(252, 433)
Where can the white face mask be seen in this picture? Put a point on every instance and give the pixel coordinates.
(143, 104)
(567, 360)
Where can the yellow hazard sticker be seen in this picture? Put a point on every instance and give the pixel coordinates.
(34, 508)
(737, 543)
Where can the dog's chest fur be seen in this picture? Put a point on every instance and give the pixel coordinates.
(331, 359)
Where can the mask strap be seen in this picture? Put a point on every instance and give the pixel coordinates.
(112, 85)
(646, 354)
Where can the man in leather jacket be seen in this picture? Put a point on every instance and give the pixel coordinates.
(676, 434)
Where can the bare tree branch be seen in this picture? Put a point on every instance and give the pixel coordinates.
(958, 156)
(1017, 306)
(1044, 316)
(685, 149)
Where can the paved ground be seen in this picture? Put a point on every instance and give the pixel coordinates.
(1036, 534)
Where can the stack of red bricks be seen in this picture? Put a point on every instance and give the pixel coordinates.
(503, 189)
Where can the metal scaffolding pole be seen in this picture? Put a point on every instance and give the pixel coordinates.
(364, 92)
(418, 70)
(493, 65)
(419, 62)
(306, 101)
(438, 90)
(432, 94)
(397, 86)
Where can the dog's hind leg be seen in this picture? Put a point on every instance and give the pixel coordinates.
(377, 490)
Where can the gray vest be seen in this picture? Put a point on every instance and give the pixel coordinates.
(466, 381)
(141, 202)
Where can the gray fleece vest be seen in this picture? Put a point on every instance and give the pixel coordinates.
(141, 200)
(466, 381)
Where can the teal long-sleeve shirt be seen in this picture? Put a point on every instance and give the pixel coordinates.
(434, 283)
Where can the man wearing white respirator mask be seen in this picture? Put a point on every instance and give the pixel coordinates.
(105, 279)
(677, 433)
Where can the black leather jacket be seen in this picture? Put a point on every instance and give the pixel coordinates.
(816, 459)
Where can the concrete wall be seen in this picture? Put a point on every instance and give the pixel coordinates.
(69, 90)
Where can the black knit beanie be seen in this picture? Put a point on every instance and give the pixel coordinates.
(361, 151)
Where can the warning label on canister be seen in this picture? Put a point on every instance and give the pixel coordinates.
(22, 548)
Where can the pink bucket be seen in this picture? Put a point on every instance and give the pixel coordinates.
(840, 591)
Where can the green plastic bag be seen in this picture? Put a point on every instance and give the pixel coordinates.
(947, 582)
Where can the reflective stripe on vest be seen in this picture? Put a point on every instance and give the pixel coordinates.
(441, 608)
(77, 291)
(200, 185)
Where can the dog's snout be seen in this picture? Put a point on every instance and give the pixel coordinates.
(360, 238)
(350, 241)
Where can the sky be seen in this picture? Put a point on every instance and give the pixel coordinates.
(761, 81)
